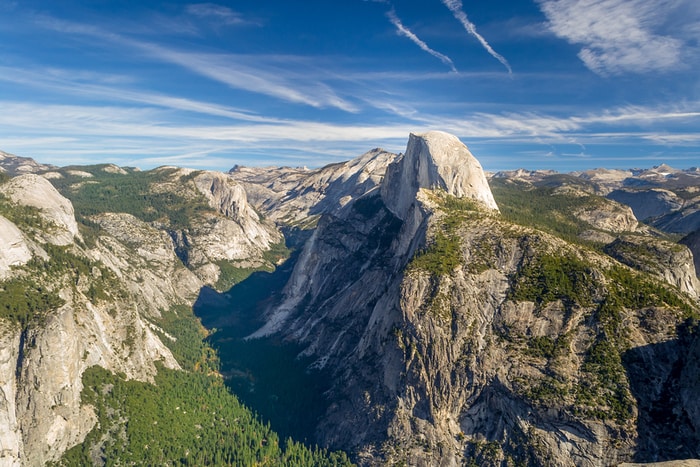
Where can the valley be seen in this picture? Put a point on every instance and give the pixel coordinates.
(395, 309)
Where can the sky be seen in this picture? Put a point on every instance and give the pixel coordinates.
(537, 84)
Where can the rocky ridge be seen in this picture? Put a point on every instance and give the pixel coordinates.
(449, 336)
(293, 196)
(102, 285)
(452, 332)
(15, 165)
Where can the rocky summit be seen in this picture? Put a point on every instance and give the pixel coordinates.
(396, 309)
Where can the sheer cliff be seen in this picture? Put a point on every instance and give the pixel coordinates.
(528, 318)
(457, 334)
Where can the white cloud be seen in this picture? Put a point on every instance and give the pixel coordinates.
(617, 36)
(149, 131)
(404, 31)
(455, 6)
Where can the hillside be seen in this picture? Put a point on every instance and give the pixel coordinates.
(405, 309)
(103, 361)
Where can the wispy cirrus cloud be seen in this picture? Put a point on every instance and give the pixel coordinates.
(279, 76)
(152, 132)
(617, 36)
(404, 31)
(84, 85)
(455, 6)
(220, 13)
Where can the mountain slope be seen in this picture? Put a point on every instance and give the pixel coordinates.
(96, 311)
(453, 333)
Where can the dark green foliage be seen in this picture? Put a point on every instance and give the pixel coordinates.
(539, 207)
(130, 193)
(268, 376)
(441, 257)
(277, 253)
(603, 392)
(26, 218)
(230, 274)
(4, 176)
(633, 290)
(188, 347)
(184, 419)
(545, 278)
(23, 300)
(62, 261)
(542, 346)
(444, 253)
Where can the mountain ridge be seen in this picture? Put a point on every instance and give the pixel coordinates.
(458, 323)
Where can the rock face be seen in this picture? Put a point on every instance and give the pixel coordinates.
(14, 250)
(434, 160)
(229, 230)
(613, 217)
(35, 191)
(670, 262)
(15, 165)
(11, 445)
(692, 241)
(106, 298)
(292, 196)
(648, 203)
(684, 220)
(452, 334)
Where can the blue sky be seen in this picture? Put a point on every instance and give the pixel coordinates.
(560, 84)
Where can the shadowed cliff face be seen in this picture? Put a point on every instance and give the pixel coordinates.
(664, 379)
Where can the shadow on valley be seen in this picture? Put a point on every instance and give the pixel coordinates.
(265, 374)
(663, 379)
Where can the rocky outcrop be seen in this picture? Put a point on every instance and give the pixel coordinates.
(144, 258)
(668, 261)
(692, 241)
(610, 217)
(240, 234)
(224, 195)
(11, 445)
(105, 319)
(451, 334)
(16, 165)
(606, 180)
(648, 203)
(35, 191)
(53, 358)
(434, 160)
(684, 220)
(14, 250)
(291, 196)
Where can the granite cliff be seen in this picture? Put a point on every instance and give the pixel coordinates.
(458, 319)
(454, 334)
(79, 293)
